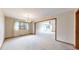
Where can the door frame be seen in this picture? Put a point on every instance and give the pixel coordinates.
(76, 29)
(47, 20)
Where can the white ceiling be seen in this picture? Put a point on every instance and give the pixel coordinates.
(36, 13)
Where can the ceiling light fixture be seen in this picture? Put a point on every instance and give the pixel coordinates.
(29, 17)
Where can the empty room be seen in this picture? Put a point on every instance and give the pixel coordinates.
(39, 29)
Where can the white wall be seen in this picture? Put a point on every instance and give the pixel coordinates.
(1, 28)
(66, 27)
(9, 27)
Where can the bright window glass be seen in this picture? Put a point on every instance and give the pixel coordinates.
(21, 25)
(26, 26)
(16, 25)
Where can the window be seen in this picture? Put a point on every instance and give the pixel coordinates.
(27, 26)
(21, 25)
(16, 25)
(48, 27)
(24, 25)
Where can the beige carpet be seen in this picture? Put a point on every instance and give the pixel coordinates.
(45, 41)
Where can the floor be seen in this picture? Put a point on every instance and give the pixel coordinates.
(43, 41)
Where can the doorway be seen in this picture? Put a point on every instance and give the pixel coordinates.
(46, 27)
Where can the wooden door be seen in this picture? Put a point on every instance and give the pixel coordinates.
(77, 29)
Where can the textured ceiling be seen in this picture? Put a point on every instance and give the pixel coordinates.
(35, 13)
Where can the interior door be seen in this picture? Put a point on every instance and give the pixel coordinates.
(77, 29)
